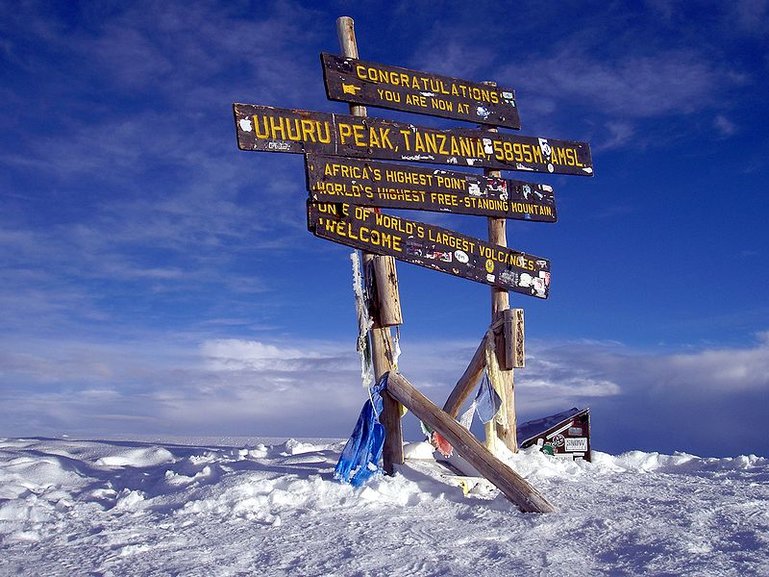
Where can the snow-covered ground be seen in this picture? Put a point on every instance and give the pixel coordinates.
(123, 508)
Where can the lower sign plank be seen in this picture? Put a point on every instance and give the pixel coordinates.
(431, 247)
(369, 183)
(268, 129)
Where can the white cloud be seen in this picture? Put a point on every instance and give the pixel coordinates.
(706, 401)
(751, 15)
(454, 58)
(620, 134)
(724, 126)
(610, 369)
(677, 81)
(664, 8)
(239, 354)
(639, 399)
(220, 385)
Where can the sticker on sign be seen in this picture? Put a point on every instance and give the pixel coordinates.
(576, 444)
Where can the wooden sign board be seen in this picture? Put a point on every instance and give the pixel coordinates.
(431, 247)
(565, 434)
(370, 183)
(264, 128)
(369, 83)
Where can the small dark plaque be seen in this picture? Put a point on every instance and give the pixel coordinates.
(565, 434)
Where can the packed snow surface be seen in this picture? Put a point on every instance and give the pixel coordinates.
(125, 508)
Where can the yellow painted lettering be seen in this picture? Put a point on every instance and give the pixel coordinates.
(358, 136)
(406, 139)
(345, 132)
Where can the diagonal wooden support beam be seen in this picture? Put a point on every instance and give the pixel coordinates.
(467, 381)
(512, 485)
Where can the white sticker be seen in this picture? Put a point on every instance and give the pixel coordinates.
(576, 444)
(245, 125)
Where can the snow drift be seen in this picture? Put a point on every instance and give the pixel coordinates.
(127, 508)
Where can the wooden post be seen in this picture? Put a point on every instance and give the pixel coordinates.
(386, 308)
(512, 485)
(467, 381)
(500, 301)
(387, 301)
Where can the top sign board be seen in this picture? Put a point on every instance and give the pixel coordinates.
(264, 128)
(359, 82)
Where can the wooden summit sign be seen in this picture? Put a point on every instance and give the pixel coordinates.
(369, 183)
(264, 128)
(431, 247)
(369, 83)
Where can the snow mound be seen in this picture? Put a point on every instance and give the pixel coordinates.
(127, 508)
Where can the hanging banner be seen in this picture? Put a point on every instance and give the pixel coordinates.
(264, 128)
(372, 84)
(369, 183)
(431, 247)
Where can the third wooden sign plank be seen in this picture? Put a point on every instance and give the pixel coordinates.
(387, 185)
(265, 128)
(431, 247)
(370, 83)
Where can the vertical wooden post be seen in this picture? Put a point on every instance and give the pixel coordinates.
(500, 301)
(386, 308)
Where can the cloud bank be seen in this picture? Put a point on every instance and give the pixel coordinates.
(709, 400)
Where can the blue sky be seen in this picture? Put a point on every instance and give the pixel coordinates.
(155, 279)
